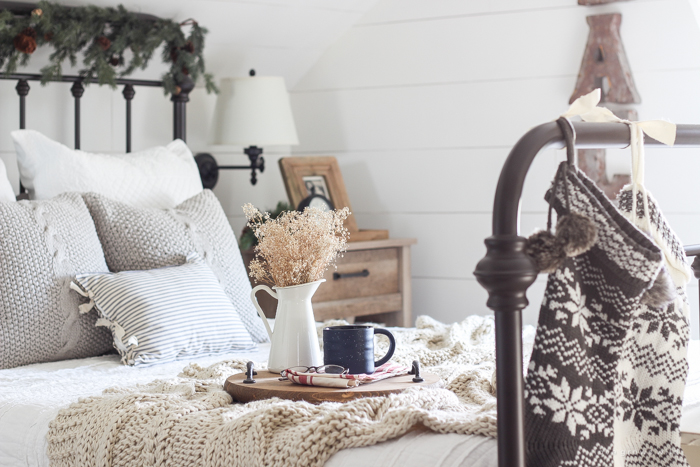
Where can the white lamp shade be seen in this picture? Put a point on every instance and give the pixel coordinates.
(253, 111)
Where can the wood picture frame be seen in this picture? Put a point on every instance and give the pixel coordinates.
(298, 171)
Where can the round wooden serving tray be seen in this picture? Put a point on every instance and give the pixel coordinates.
(268, 385)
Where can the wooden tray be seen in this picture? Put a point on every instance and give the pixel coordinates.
(268, 385)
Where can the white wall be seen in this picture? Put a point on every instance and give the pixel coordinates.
(421, 102)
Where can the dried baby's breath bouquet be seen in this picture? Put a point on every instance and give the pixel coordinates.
(296, 247)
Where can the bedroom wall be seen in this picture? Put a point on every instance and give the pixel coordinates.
(421, 102)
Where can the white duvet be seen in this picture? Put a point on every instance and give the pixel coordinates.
(31, 396)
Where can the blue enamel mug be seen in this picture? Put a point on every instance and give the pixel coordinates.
(352, 347)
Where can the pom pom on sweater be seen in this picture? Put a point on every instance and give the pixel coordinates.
(545, 250)
(576, 233)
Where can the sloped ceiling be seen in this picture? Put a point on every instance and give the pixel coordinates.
(276, 37)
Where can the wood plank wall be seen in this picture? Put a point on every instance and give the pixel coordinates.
(421, 102)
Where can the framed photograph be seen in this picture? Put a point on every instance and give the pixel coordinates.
(304, 176)
(320, 175)
(316, 185)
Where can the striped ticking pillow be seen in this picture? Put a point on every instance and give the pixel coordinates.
(166, 314)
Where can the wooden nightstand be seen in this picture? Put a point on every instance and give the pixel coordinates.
(373, 281)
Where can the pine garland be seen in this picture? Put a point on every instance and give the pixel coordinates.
(113, 41)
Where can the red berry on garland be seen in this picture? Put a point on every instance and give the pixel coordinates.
(114, 61)
(25, 41)
(189, 47)
(104, 43)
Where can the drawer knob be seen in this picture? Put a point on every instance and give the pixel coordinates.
(338, 276)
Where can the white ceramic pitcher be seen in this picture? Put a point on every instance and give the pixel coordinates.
(294, 340)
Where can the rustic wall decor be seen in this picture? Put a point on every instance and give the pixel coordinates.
(605, 66)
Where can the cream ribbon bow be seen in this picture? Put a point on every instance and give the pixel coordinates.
(586, 108)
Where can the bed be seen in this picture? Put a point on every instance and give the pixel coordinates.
(32, 395)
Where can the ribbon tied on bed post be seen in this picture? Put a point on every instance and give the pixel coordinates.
(587, 108)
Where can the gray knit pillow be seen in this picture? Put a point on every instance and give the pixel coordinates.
(145, 238)
(43, 244)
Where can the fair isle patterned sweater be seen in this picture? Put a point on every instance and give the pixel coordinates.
(593, 396)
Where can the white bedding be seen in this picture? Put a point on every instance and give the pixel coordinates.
(31, 396)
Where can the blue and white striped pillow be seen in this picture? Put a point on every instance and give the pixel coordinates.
(165, 314)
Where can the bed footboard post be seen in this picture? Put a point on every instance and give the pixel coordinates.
(180, 100)
(506, 272)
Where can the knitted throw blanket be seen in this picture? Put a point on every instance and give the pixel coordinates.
(190, 420)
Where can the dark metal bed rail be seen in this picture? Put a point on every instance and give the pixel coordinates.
(179, 101)
(506, 272)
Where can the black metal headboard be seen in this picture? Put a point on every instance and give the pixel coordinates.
(179, 102)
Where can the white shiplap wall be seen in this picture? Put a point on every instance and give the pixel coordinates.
(421, 101)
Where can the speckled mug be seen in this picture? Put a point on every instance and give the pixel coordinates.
(352, 347)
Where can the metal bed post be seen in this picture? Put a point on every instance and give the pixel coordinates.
(506, 272)
(128, 94)
(180, 100)
(77, 91)
(22, 91)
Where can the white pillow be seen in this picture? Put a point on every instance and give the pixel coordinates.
(160, 177)
(166, 314)
(6, 191)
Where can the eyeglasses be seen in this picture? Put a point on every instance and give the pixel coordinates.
(327, 369)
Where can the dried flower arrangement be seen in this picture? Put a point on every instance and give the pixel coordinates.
(296, 247)
(248, 239)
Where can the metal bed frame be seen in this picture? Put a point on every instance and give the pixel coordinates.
(506, 272)
(179, 102)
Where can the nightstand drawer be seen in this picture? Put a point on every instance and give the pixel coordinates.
(363, 273)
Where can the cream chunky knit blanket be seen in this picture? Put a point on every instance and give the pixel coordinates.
(189, 420)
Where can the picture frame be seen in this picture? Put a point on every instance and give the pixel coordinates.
(307, 175)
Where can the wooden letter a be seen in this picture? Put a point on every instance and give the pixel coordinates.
(605, 64)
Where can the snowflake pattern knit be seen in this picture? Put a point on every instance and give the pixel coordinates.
(653, 364)
(190, 420)
(589, 305)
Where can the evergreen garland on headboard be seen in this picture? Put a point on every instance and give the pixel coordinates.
(114, 42)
